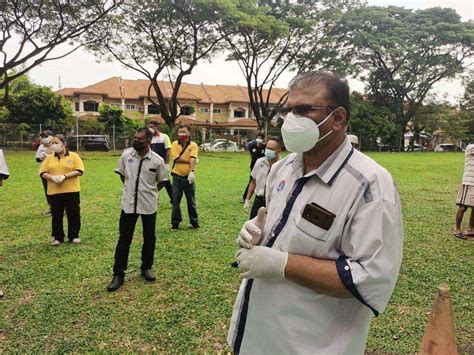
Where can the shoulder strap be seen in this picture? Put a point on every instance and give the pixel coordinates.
(182, 151)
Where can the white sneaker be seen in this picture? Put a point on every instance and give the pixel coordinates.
(55, 242)
(76, 241)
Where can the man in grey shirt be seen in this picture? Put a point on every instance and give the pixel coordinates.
(143, 174)
(327, 253)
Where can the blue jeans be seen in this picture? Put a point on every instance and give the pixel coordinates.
(180, 185)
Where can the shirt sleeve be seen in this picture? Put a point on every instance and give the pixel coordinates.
(78, 164)
(372, 246)
(162, 172)
(120, 168)
(45, 166)
(4, 173)
(167, 142)
(39, 151)
(253, 173)
(194, 151)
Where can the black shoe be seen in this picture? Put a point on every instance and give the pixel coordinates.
(148, 275)
(115, 284)
(174, 226)
(195, 226)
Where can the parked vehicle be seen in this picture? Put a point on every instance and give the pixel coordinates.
(89, 142)
(445, 147)
(416, 148)
(206, 147)
(227, 146)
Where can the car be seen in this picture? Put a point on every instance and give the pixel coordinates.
(416, 148)
(89, 142)
(445, 147)
(206, 147)
(227, 146)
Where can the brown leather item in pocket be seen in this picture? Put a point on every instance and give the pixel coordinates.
(319, 216)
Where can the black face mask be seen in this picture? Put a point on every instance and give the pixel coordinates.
(139, 145)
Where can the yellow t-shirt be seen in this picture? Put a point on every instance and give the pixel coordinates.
(183, 169)
(54, 165)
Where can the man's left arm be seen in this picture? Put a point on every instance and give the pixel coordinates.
(161, 174)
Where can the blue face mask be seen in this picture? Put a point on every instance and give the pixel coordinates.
(270, 154)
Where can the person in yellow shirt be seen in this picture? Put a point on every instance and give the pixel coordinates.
(183, 157)
(62, 171)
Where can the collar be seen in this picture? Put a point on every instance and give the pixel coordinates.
(188, 142)
(65, 154)
(135, 154)
(331, 167)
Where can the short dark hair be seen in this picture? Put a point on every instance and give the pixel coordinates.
(154, 123)
(337, 86)
(185, 126)
(260, 134)
(276, 139)
(46, 133)
(148, 132)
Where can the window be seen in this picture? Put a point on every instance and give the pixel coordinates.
(204, 110)
(116, 105)
(217, 110)
(238, 112)
(187, 110)
(140, 108)
(130, 107)
(154, 109)
(76, 105)
(91, 106)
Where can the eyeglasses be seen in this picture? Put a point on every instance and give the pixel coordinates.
(302, 110)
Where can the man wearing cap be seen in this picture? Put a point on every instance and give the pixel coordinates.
(326, 255)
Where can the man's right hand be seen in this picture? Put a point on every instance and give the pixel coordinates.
(252, 231)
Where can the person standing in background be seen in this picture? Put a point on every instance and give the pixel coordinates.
(256, 149)
(4, 173)
(259, 176)
(41, 153)
(161, 145)
(465, 197)
(184, 154)
(62, 171)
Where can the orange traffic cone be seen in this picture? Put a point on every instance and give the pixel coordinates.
(439, 334)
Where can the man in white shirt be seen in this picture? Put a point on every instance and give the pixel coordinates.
(143, 174)
(41, 153)
(4, 173)
(259, 176)
(326, 256)
(465, 197)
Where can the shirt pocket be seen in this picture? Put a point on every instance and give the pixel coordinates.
(307, 239)
(150, 176)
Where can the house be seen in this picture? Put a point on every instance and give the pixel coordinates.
(221, 107)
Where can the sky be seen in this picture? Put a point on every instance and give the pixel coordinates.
(83, 68)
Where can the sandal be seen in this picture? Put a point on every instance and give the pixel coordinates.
(459, 235)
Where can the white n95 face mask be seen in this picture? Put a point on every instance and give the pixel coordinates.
(300, 133)
(57, 148)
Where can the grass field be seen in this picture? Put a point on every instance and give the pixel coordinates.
(55, 297)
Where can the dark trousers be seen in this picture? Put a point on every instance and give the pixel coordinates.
(244, 196)
(169, 189)
(45, 188)
(127, 225)
(180, 185)
(258, 202)
(69, 202)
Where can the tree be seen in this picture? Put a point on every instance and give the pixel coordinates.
(171, 37)
(38, 104)
(111, 116)
(40, 27)
(372, 123)
(402, 53)
(23, 129)
(267, 38)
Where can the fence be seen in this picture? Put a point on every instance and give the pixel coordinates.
(27, 136)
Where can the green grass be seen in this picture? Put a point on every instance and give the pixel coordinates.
(55, 298)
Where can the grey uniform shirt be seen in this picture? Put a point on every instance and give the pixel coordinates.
(273, 316)
(259, 174)
(142, 176)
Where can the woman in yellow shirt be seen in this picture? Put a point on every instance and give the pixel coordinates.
(62, 171)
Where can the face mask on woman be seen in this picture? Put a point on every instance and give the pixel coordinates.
(57, 148)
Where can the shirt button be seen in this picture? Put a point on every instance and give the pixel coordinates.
(346, 268)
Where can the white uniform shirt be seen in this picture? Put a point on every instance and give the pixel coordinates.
(468, 178)
(365, 239)
(142, 176)
(41, 153)
(4, 173)
(259, 174)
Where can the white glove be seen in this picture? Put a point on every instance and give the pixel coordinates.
(58, 179)
(261, 262)
(252, 231)
(191, 177)
(247, 205)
